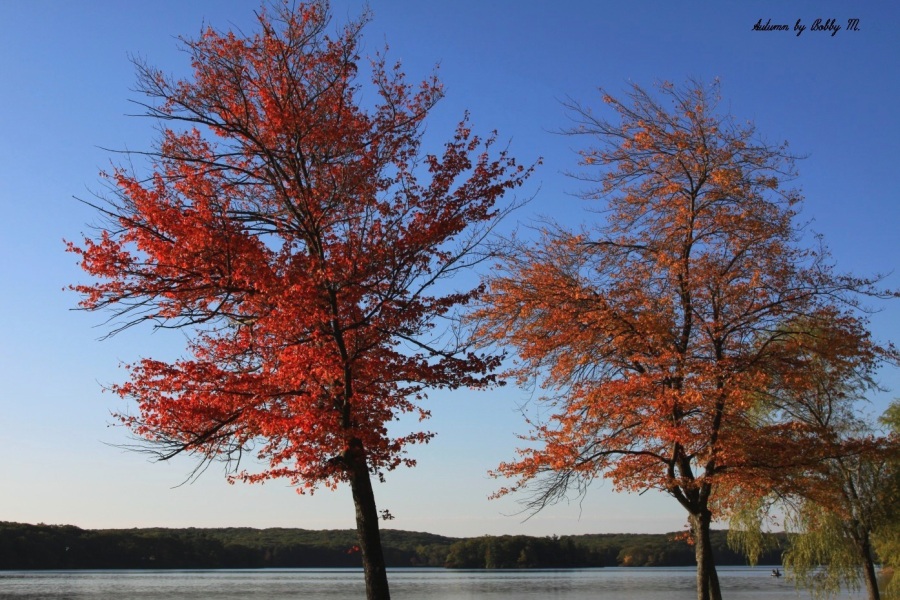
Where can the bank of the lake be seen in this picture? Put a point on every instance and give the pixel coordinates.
(25, 546)
(616, 583)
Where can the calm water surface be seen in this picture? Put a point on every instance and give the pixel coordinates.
(406, 584)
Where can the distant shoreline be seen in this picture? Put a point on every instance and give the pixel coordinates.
(67, 547)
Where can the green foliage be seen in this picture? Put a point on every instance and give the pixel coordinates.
(887, 545)
(887, 537)
(891, 417)
(822, 557)
(831, 548)
(66, 547)
(518, 552)
(747, 536)
(594, 550)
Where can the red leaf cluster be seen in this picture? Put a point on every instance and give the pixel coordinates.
(297, 236)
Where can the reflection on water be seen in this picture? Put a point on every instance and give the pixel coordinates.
(406, 584)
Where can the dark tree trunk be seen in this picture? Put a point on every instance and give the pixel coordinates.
(871, 581)
(869, 575)
(707, 577)
(367, 529)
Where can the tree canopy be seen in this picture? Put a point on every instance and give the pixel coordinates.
(655, 331)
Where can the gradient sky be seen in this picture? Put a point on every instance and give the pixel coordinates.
(65, 86)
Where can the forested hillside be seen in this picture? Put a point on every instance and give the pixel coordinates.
(593, 550)
(24, 546)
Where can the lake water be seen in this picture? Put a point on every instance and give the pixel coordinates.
(406, 584)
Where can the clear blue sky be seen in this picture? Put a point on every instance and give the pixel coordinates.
(65, 81)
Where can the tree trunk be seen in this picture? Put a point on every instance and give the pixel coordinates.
(707, 578)
(869, 575)
(367, 529)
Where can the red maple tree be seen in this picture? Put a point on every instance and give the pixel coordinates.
(657, 332)
(296, 233)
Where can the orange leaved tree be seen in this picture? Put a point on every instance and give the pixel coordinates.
(296, 233)
(655, 332)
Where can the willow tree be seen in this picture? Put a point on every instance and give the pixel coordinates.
(294, 230)
(834, 506)
(840, 516)
(887, 537)
(654, 330)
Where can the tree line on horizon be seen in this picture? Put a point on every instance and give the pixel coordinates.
(26, 547)
(694, 339)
